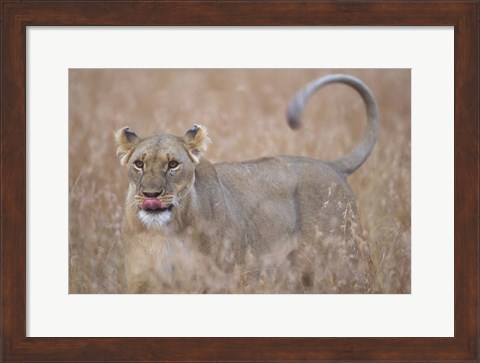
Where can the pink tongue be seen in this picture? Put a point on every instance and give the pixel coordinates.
(152, 204)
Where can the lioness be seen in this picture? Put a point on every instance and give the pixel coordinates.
(229, 209)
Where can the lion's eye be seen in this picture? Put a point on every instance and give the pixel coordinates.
(172, 164)
(138, 164)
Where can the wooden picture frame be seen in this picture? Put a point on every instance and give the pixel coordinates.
(17, 16)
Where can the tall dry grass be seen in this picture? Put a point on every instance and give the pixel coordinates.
(244, 111)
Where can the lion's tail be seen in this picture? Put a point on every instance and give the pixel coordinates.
(355, 158)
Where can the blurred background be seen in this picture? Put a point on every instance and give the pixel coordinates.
(244, 111)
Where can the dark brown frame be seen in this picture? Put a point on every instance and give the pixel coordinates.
(16, 16)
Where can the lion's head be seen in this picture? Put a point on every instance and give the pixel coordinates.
(161, 169)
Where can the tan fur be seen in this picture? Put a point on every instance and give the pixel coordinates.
(227, 209)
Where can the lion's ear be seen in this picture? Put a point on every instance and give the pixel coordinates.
(196, 142)
(126, 141)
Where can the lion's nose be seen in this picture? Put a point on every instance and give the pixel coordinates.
(152, 194)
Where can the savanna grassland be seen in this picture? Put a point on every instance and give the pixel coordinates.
(244, 111)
